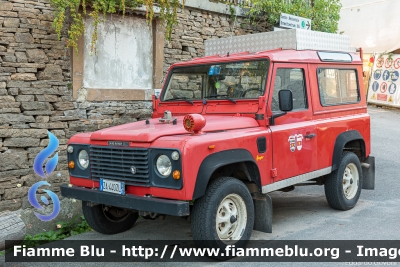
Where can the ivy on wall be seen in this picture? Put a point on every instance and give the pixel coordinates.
(76, 9)
(324, 14)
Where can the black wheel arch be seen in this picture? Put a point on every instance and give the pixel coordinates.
(340, 143)
(223, 158)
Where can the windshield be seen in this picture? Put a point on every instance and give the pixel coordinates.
(233, 80)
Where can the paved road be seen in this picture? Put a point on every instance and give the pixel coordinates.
(304, 214)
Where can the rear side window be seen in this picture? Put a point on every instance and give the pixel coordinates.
(338, 86)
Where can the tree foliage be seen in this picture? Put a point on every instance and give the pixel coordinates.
(77, 9)
(323, 13)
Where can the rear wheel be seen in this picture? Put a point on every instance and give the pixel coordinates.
(223, 216)
(107, 219)
(343, 186)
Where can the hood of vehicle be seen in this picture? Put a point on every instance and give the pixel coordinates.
(142, 132)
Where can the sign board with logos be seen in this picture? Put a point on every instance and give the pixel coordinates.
(385, 82)
(294, 22)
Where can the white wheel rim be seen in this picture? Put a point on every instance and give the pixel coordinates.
(231, 218)
(350, 181)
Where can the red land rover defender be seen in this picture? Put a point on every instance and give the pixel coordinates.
(227, 130)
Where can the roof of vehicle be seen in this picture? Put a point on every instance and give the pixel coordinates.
(276, 55)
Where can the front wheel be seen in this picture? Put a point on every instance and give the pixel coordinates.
(107, 219)
(343, 186)
(223, 216)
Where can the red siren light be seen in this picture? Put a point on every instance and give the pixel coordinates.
(193, 123)
(371, 59)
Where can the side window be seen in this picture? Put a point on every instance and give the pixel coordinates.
(292, 79)
(338, 86)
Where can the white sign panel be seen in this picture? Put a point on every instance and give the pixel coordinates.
(384, 85)
(294, 22)
(125, 54)
(157, 92)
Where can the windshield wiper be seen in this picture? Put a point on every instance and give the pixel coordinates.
(225, 97)
(181, 98)
(213, 96)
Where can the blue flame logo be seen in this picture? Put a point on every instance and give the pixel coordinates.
(44, 154)
(50, 166)
(32, 199)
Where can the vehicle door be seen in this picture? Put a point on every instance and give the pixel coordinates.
(294, 139)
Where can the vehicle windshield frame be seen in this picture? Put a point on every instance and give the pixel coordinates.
(263, 82)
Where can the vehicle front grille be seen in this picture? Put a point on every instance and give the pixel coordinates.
(115, 163)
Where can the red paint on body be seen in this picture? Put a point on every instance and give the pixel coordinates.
(234, 126)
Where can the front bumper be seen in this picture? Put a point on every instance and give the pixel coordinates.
(157, 205)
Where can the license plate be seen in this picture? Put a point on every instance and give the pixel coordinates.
(112, 186)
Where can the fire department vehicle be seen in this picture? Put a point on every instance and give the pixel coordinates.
(226, 130)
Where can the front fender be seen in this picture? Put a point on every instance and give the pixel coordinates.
(222, 158)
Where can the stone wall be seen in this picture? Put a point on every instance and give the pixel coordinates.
(34, 98)
(36, 95)
(195, 26)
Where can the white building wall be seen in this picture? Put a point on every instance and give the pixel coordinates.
(371, 24)
(124, 58)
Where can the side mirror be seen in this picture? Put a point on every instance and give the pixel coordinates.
(154, 102)
(285, 104)
(285, 100)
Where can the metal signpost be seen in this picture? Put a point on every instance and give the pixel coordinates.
(294, 22)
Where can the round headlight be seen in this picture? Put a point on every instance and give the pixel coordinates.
(164, 165)
(175, 155)
(70, 149)
(83, 159)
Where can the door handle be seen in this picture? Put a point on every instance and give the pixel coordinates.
(309, 136)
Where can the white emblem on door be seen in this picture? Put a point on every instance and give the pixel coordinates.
(295, 140)
(299, 141)
(292, 143)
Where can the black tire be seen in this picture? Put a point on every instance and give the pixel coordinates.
(339, 198)
(108, 220)
(204, 215)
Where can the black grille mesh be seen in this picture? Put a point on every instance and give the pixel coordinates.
(115, 164)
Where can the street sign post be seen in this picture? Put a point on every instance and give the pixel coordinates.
(294, 22)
